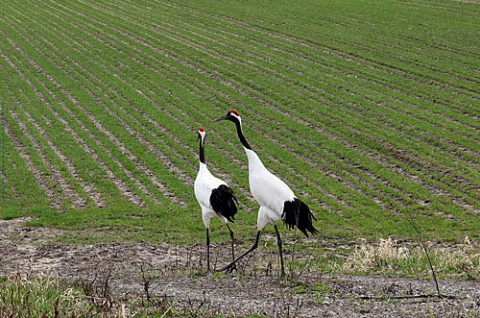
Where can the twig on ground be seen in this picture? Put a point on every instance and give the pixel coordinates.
(418, 296)
(427, 254)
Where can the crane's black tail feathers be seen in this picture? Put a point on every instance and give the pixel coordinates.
(224, 202)
(296, 213)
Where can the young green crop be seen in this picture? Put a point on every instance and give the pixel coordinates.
(367, 111)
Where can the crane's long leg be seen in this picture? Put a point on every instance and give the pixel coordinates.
(279, 243)
(233, 247)
(208, 249)
(231, 266)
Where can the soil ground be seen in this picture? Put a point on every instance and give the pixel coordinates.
(174, 275)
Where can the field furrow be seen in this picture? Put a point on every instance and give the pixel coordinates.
(277, 73)
(162, 109)
(57, 180)
(65, 119)
(90, 189)
(369, 112)
(131, 157)
(141, 119)
(224, 82)
(297, 44)
(38, 174)
(294, 52)
(474, 188)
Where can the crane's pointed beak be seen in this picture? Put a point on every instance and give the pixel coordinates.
(221, 118)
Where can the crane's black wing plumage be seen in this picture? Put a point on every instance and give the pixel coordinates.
(224, 202)
(296, 213)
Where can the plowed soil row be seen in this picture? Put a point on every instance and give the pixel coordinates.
(462, 202)
(207, 87)
(353, 129)
(102, 129)
(66, 124)
(144, 90)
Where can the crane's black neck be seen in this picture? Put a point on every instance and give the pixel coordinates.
(240, 133)
(202, 151)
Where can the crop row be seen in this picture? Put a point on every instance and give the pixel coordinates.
(116, 144)
(113, 93)
(224, 56)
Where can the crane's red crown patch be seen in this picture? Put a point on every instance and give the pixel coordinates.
(201, 129)
(235, 112)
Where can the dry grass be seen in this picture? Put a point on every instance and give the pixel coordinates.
(464, 259)
(368, 257)
(391, 257)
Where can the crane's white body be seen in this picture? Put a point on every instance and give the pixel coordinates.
(214, 197)
(277, 201)
(268, 190)
(203, 187)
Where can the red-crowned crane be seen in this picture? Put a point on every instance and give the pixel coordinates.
(277, 201)
(214, 196)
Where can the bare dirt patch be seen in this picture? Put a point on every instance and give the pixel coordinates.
(175, 273)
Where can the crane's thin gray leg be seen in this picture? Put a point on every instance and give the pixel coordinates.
(230, 266)
(208, 250)
(279, 243)
(233, 247)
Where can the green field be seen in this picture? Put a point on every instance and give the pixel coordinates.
(369, 110)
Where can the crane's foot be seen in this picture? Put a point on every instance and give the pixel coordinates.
(229, 268)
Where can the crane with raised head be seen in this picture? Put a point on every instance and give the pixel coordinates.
(214, 196)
